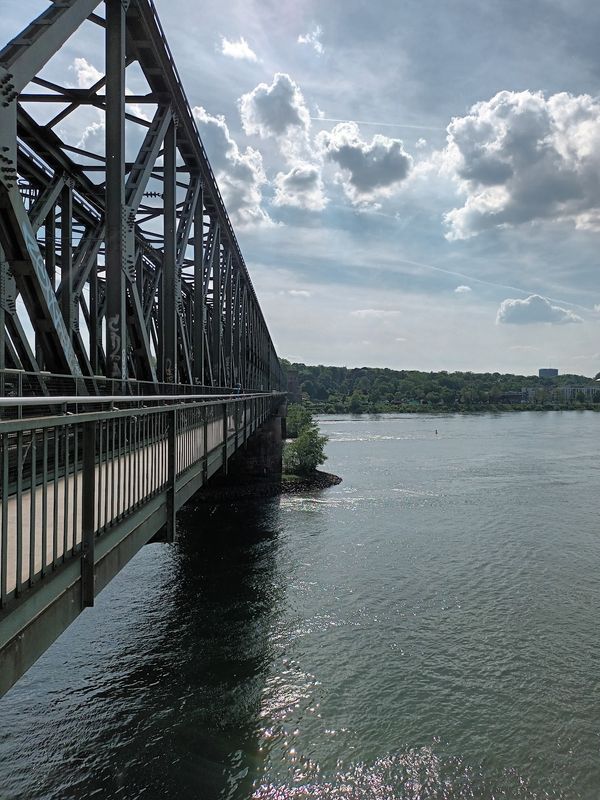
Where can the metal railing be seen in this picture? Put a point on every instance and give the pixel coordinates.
(21, 383)
(68, 479)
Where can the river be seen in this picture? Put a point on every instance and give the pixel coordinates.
(426, 629)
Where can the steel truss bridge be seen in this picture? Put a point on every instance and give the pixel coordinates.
(127, 316)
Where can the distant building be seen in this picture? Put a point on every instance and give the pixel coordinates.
(561, 394)
(590, 394)
(548, 372)
(512, 397)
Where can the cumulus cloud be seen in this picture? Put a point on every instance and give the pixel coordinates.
(86, 74)
(462, 289)
(301, 187)
(240, 174)
(279, 111)
(368, 169)
(313, 39)
(91, 135)
(534, 309)
(240, 49)
(521, 157)
(299, 292)
(276, 110)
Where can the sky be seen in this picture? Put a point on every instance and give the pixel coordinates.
(413, 185)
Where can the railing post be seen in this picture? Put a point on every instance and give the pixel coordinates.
(236, 418)
(171, 475)
(88, 528)
(205, 446)
(224, 438)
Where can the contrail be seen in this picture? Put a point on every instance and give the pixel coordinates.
(382, 124)
(473, 279)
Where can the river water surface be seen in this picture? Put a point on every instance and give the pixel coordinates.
(426, 629)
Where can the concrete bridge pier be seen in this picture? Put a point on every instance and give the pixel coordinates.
(260, 458)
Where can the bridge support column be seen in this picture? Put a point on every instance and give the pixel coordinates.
(260, 458)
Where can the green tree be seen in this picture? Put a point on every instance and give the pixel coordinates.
(298, 417)
(356, 404)
(304, 454)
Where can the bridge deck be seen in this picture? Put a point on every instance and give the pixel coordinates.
(122, 473)
(124, 481)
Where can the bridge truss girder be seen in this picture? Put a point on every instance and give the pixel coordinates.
(156, 276)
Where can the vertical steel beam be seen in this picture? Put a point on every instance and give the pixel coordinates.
(237, 313)
(168, 298)
(216, 312)
(66, 257)
(227, 344)
(87, 514)
(116, 328)
(50, 246)
(243, 337)
(50, 259)
(94, 321)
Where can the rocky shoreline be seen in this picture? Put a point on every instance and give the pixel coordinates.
(289, 484)
(295, 484)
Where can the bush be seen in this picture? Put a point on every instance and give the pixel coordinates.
(306, 452)
(298, 417)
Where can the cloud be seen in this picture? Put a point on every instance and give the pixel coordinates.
(277, 111)
(521, 157)
(534, 309)
(374, 313)
(299, 292)
(301, 187)
(462, 289)
(369, 170)
(240, 174)
(314, 39)
(86, 74)
(240, 49)
(91, 135)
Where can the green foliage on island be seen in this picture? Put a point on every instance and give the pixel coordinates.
(298, 418)
(376, 390)
(306, 451)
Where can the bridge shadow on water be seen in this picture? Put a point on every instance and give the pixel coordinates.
(229, 594)
(164, 694)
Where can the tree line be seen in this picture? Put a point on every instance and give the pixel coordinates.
(377, 390)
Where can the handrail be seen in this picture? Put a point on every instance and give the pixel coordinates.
(119, 398)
